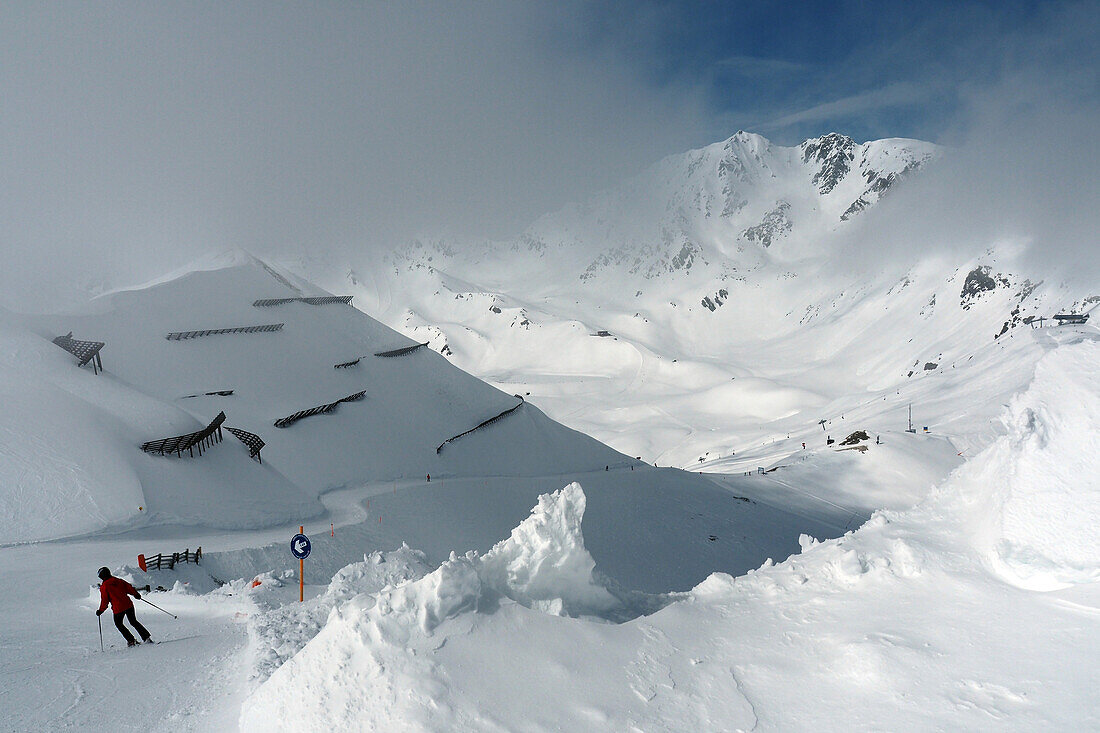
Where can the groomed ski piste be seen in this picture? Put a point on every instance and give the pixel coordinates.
(540, 580)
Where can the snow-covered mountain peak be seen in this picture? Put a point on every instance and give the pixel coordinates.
(732, 206)
(833, 154)
(702, 268)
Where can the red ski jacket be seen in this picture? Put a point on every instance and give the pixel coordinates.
(118, 592)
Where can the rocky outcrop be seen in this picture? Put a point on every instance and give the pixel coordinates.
(774, 225)
(834, 153)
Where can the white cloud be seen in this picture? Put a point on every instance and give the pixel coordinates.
(135, 137)
(900, 94)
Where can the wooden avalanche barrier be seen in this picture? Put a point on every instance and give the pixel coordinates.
(215, 393)
(84, 351)
(401, 352)
(183, 335)
(201, 439)
(480, 425)
(291, 419)
(327, 300)
(254, 442)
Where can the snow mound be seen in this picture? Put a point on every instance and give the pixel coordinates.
(281, 632)
(1041, 480)
(49, 439)
(369, 665)
(544, 563)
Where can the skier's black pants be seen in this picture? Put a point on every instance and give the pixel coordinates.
(128, 614)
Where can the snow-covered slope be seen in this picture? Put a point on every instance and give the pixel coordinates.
(70, 458)
(752, 340)
(72, 439)
(72, 463)
(905, 624)
(720, 305)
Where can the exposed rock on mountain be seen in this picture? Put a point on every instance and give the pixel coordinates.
(979, 281)
(774, 225)
(834, 154)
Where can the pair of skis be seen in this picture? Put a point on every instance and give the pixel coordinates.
(99, 618)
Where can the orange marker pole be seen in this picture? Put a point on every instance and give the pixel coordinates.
(301, 571)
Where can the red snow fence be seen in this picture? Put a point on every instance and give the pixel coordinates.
(161, 561)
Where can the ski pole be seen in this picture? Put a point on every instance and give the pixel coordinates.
(100, 620)
(160, 609)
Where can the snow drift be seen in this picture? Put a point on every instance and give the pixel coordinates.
(1039, 484)
(381, 638)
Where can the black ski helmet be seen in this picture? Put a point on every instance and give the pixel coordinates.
(104, 572)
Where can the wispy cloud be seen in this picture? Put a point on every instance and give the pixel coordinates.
(758, 66)
(900, 94)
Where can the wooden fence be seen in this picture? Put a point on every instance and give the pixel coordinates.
(183, 335)
(327, 300)
(254, 442)
(84, 351)
(161, 561)
(480, 425)
(201, 439)
(291, 419)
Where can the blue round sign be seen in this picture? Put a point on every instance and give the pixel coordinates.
(299, 546)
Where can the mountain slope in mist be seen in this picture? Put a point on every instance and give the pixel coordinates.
(72, 462)
(723, 303)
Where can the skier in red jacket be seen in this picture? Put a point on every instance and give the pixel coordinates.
(117, 591)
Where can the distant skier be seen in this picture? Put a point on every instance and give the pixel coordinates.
(117, 591)
(429, 478)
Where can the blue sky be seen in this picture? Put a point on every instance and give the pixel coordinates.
(792, 70)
